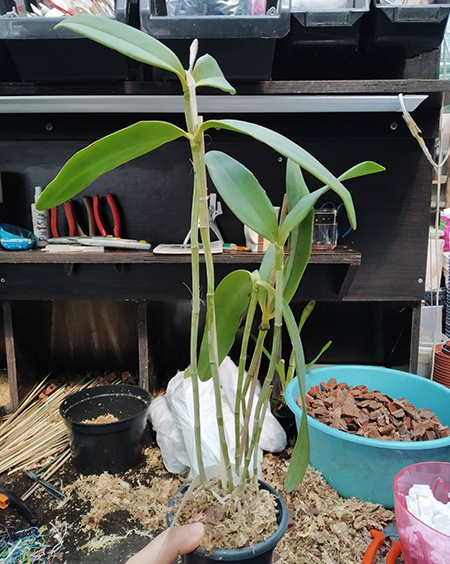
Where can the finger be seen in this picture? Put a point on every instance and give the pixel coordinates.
(182, 540)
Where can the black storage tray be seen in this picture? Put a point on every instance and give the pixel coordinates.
(417, 28)
(41, 53)
(331, 28)
(244, 46)
(320, 44)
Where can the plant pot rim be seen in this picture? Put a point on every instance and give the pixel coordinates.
(248, 552)
(94, 394)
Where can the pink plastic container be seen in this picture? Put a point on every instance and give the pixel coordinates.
(420, 543)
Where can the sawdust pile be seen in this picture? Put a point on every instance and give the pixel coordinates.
(107, 494)
(4, 388)
(107, 418)
(231, 520)
(153, 460)
(324, 528)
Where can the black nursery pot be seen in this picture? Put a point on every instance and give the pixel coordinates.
(260, 553)
(286, 419)
(106, 447)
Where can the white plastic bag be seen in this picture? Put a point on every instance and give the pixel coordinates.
(181, 402)
(168, 436)
(273, 436)
(178, 412)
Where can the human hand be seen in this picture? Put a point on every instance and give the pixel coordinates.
(182, 540)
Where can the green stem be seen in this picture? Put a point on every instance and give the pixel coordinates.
(242, 362)
(253, 374)
(195, 315)
(200, 170)
(265, 391)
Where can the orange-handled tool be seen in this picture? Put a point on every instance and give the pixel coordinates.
(379, 539)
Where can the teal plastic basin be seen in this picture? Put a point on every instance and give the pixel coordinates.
(366, 468)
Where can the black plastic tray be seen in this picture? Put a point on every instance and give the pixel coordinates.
(320, 43)
(418, 28)
(41, 53)
(244, 46)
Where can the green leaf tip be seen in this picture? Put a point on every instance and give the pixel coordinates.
(123, 38)
(105, 155)
(243, 194)
(208, 73)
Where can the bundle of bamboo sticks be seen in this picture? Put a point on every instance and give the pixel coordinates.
(36, 433)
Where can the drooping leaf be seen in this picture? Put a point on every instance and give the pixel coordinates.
(300, 456)
(317, 358)
(208, 73)
(300, 212)
(105, 155)
(243, 194)
(127, 40)
(300, 239)
(292, 151)
(231, 301)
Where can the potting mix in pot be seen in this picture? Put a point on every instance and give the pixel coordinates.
(371, 414)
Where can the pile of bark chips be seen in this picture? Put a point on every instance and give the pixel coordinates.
(374, 415)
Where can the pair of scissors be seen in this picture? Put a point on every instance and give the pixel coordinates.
(95, 221)
(389, 532)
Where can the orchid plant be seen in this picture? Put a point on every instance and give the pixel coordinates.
(262, 295)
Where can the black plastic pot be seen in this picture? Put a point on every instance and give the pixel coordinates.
(260, 553)
(286, 419)
(106, 447)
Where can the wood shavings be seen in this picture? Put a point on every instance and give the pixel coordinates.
(325, 528)
(107, 418)
(153, 459)
(4, 389)
(104, 542)
(107, 494)
(231, 521)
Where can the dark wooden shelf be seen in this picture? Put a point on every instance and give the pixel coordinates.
(340, 255)
(273, 87)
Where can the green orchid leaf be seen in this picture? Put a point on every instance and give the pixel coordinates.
(231, 301)
(125, 39)
(105, 155)
(296, 187)
(243, 194)
(300, 244)
(361, 169)
(265, 272)
(300, 212)
(317, 358)
(208, 73)
(292, 151)
(300, 239)
(307, 310)
(300, 456)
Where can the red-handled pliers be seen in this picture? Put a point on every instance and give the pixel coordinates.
(390, 532)
(72, 222)
(115, 213)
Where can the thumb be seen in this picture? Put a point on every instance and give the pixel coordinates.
(170, 544)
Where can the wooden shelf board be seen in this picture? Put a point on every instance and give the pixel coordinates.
(340, 255)
(273, 87)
